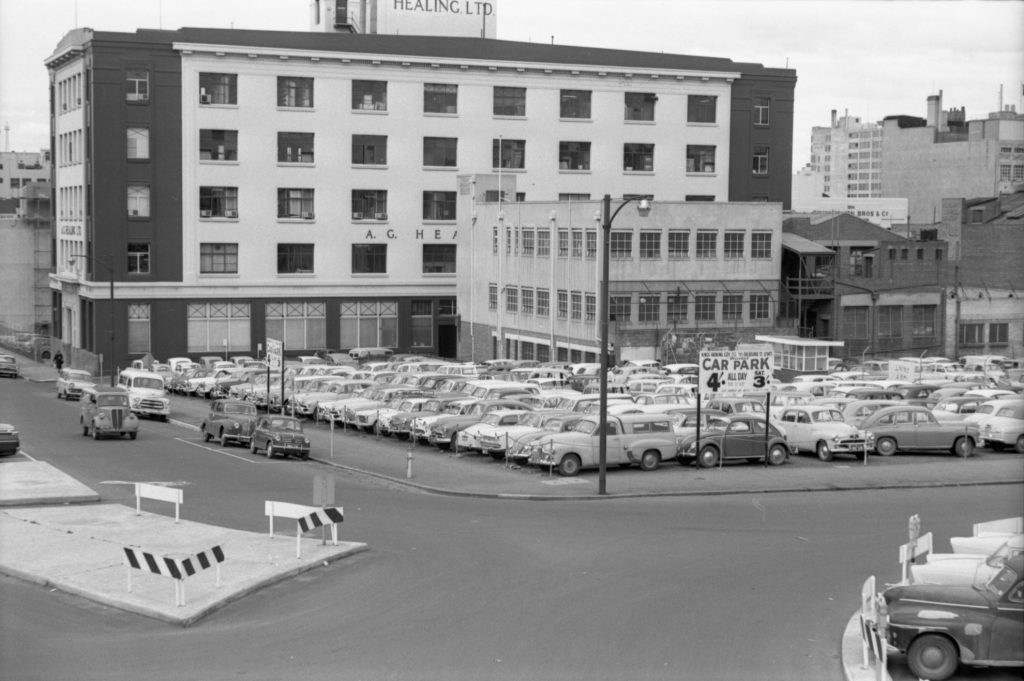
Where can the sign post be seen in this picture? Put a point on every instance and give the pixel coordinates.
(734, 373)
(275, 362)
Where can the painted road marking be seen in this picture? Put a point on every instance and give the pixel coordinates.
(565, 481)
(246, 459)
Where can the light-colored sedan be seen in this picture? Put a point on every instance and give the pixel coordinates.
(71, 383)
(492, 427)
(822, 430)
(1005, 427)
(909, 428)
(965, 568)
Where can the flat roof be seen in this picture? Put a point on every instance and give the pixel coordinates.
(800, 342)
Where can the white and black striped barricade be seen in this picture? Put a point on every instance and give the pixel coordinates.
(307, 517)
(159, 492)
(922, 546)
(872, 631)
(175, 568)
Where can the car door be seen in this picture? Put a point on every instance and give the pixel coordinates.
(930, 433)
(740, 440)
(795, 432)
(1007, 627)
(259, 433)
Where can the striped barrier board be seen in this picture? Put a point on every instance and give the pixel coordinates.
(307, 518)
(175, 568)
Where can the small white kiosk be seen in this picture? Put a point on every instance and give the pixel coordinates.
(794, 356)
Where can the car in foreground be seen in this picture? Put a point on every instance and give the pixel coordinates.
(644, 439)
(737, 437)
(909, 428)
(229, 421)
(813, 428)
(107, 411)
(10, 441)
(942, 626)
(965, 568)
(279, 436)
(1004, 428)
(71, 383)
(9, 366)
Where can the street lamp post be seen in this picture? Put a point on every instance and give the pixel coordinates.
(110, 272)
(643, 208)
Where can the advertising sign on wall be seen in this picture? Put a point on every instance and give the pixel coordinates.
(463, 18)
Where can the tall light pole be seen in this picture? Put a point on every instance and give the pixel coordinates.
(643, 208)
(110, 272)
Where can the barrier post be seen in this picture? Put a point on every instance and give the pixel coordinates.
(408, 463)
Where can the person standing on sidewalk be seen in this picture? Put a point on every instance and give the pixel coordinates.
(58, 361)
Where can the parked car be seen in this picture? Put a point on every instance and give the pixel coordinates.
(10, 442)
(737, 405)
(279, 435)
(9, 366)
(956, 408)
(813, 428)
(444, 431)
(71, 383)
(644, 439)
(737, 437)
(1004, 428)
(855, 411)
(909, 428)
(494, 426)
(941, 626)
(229, 421)
(965, 568)
(107, 411)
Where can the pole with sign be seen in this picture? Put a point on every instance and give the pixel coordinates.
(275, 362)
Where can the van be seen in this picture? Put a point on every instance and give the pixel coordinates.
(146, 393)
(106, 411)
(990, 365)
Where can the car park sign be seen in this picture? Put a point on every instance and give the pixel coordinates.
(736, 371)
(275, 352)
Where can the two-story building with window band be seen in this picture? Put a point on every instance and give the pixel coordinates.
(237, 185)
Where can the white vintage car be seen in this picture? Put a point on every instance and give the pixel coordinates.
(492, 426)
(820, 429)
(965, 568)
(988, 536)
(1004, 427)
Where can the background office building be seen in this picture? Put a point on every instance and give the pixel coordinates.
(239, 185)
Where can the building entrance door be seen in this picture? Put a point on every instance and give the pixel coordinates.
(448, 341)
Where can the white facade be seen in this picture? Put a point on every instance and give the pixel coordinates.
(848, 156)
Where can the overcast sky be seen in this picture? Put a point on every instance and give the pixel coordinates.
(870, 58)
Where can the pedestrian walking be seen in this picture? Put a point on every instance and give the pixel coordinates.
(58, 361)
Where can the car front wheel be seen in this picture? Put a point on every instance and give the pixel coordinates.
(569, 465)
(886, 446)
(252, 446)
(932, 657)
(823, 452)
(270, 451)
(206, 436)
(1020, 445)
(963, 447)
(650, 460)
(708, 457)
(133, 435)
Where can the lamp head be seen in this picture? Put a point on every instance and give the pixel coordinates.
(643, 207)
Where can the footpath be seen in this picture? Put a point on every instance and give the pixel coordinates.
(45, 537)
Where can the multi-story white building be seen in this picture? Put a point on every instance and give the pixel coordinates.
(847, 156)
(239, 185)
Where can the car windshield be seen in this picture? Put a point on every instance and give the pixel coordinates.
(112, 400)
(1003, 580)
(828, 416)
(149, 383)
(6, 360)
(583, 426)
(79, 376)
(285, 424)
(239, 409)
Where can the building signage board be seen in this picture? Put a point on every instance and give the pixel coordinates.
(904, 370)
(275, 354)
(464, 18)
(736, 371)
(886, 212)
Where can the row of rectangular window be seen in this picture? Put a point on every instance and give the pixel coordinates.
(580, 306)
(299, 203)
(443, 98)
(577, 242)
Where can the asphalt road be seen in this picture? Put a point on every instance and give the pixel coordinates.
(710, 588)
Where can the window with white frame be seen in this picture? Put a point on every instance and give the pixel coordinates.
(441, 152)
(509, 101)
(295, 258)
(218, 258)
(733, 245)
(369, 150)
(295, 202)
(704, 307)
(972, 334)
(640, 106)
(139, 330)
(574, 104)
(511, 299)
(529, 242)
(577, 243)
(369, 258)
(370, 95)
(369, 324)
(590, 307)
(492, 297)
(508, 154)
(761, 245)
(650, 245)
(649, 308)
(675, 308)
(678, 244)
(369, 204)
(563, 243)
(218, 145)
(543, 302)
(637, 156)
(760, 161)
(574, 155)
(621, 245)
(137, 85)
(138, 257)
(294, 91)
(732, 307)
(762, 110)
(576, 305)
(701, 108)
(619, 309)
(218, 202)
(527, 300)
(301, 324)
(440, 98)
(707, 245)
(543, 243)
(212, 327)
(758, 306)
(439, 258)
(591, 236)
(563, 304)
(998, 333)
(138, 143)
(138, 201)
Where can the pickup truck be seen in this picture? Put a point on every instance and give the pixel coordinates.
(644, 439)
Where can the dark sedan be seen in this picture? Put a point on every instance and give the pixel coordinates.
(941, 626)
(279, 435)
(10, 442)
(229, 421)
(737, 437)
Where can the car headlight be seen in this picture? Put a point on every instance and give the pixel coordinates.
(277, 437)
(136, 400)
(236, 425)
(305, 440)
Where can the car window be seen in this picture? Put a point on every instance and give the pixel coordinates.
(924, 418)
(903, 417)
(804, 418)
(739, 427)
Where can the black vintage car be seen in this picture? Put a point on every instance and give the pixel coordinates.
(229, 421)
(279, 435)
(940, 626)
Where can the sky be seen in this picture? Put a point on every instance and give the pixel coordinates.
(870, 58)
